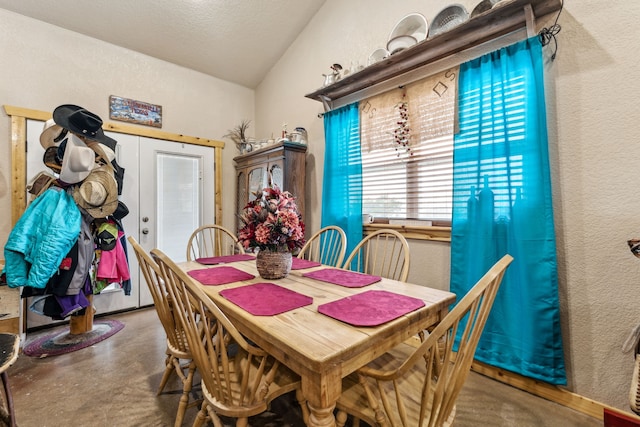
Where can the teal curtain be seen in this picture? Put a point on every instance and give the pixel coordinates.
(502, 204)
(342, 183)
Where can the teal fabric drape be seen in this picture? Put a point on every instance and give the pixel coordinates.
(342, 183)
(502, 204)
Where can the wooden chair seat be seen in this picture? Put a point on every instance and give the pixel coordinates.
(417, 385)
(9, 350)
(358, 404)
(238, 406)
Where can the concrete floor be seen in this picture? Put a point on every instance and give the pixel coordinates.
(114, 382)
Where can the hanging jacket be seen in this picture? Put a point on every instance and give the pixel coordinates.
(113, 265)
(69, 281)
(41, 238)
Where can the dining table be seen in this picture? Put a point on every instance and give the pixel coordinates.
(308, 338)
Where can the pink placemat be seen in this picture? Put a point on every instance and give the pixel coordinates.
(350, 279)
(299, 263)
(219, 275)
(370, 308)
(223, 259)
(266, 299)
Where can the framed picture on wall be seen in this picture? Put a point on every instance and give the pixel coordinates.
(132, 111)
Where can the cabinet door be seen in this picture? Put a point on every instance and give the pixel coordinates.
(243, 193)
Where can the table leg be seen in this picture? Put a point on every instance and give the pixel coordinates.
(321, 417)
(322, 390)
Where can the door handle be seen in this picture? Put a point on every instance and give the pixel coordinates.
(145, 231)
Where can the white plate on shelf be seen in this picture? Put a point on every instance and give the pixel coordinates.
(399, 43)
(482, 7)
(378, 55)
(414, 25)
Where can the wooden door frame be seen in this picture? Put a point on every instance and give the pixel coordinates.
(19, 118)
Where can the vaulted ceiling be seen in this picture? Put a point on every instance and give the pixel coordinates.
(235, 40)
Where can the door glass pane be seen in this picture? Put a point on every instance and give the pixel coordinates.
(277, 177)
(179, 205)
(256, 181)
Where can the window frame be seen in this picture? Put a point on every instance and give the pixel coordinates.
(380, 120)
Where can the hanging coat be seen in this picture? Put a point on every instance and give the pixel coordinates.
(41, 238)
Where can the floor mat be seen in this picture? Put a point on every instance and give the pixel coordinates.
(61, 341)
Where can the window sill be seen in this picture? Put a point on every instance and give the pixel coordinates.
(414, 232)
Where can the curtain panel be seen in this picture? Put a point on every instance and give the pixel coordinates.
(502, 204)
(342, 182)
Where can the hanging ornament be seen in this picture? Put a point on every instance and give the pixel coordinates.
(402, 132)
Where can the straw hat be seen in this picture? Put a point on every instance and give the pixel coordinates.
(98, 193)
(52, 134)
(78, 161)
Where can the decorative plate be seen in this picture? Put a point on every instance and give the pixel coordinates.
(448, 18)
(378, 55)
(399, 43)
(414, 25)
(482, 7)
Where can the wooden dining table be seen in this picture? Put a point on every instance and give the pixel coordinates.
(319, 348)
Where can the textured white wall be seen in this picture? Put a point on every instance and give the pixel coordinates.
(592, 113)
(44, 66)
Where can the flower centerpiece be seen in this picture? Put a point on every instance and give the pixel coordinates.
(272, 224)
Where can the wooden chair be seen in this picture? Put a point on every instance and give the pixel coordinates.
(411, 386)
(382, 253)
(9, 350)
(179, 359)
(327, 246)
(212, 240)
(239, 379)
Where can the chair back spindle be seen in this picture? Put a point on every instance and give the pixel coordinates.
(327, 246)
(212, 240)
(382, 253)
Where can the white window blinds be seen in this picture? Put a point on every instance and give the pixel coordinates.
(407, 149)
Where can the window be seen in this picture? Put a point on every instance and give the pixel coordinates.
(407, 150)
(495, 125)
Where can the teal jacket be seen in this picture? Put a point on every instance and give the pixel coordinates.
(41, 238)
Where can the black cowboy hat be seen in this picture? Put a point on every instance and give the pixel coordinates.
(83, 123)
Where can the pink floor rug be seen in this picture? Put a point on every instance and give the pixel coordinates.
(61, 341)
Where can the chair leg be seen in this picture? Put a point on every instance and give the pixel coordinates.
(341, 418)
(186, 390)
(7, 393)
(202, 416)
(242, 422)
(167, 373)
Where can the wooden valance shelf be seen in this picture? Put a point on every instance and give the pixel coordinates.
(505, 17)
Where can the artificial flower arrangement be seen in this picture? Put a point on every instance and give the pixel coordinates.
(272, 222)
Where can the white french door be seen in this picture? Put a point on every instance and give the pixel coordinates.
(169, 191)
(169, 188)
